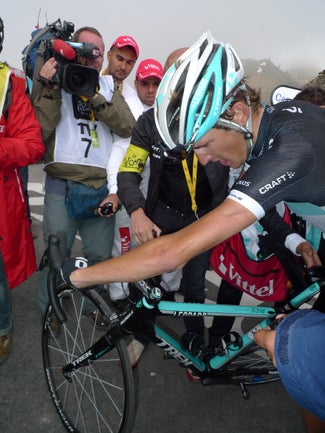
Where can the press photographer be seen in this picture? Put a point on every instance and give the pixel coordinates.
(77, 131)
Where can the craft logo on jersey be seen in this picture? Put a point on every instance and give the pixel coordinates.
(276, 182)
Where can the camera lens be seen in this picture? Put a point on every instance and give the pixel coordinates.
(80, 80)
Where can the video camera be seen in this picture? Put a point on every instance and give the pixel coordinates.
(73, 77)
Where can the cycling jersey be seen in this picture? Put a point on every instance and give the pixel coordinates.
(288, 159)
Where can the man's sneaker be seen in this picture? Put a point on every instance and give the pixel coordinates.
(135, 349)
(98, 318)
(54, 326)
(5, 345)
(192, 376)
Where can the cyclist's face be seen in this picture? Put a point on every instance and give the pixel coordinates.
(226, 146)
(121, 62)
(147, 89)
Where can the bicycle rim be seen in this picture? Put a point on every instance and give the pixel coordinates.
(99, 396)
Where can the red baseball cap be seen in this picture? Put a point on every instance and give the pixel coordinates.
(149, 68)
(126, 41)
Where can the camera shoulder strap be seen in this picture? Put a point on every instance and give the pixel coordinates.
(39, 62)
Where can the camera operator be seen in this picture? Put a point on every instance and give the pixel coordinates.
(77, 132)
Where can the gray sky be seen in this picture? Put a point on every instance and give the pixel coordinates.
(289, 32)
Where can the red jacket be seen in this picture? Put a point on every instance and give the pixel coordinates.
(20, 145)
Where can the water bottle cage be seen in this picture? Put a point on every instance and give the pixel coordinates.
(231, 341)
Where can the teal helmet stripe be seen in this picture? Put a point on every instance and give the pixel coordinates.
(200, 123)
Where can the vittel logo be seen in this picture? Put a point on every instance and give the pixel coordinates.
(239, 281)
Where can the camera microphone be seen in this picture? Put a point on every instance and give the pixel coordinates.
(64, 49)
(86, 49)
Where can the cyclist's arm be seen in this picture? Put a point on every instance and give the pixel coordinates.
(170, 252)
(283, 233)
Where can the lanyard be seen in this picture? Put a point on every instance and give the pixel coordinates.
(93, 132)
(191, 182)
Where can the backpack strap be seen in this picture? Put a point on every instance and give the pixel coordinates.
(36, 85)
(38, 35)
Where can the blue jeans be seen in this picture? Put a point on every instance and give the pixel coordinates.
(5, 322)
(97, 236)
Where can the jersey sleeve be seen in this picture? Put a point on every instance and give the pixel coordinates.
(279, 174)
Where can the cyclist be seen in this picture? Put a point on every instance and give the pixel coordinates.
(204, 105)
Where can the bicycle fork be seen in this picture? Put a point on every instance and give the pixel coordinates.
(105, 344)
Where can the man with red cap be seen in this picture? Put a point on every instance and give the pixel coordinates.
(147, 80)
(121, 58)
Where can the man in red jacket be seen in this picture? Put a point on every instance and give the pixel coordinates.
(20, 144)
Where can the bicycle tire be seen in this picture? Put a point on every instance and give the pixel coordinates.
(100, 395)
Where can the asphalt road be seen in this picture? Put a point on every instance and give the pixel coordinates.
(167, 401)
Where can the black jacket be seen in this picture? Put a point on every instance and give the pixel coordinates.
(145, 135)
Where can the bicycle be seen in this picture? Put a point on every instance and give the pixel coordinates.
(87, 367)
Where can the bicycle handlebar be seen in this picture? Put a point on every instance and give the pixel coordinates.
(55, 262)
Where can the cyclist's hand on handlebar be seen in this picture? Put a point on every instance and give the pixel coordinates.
(70, 265)
(308, 254)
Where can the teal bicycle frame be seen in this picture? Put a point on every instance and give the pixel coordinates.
(173, 348)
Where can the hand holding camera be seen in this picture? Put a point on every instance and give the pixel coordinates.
(104, 210)
(69, 73)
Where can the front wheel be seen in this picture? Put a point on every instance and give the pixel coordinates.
(91, 386)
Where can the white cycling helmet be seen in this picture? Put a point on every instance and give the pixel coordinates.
(195, 91)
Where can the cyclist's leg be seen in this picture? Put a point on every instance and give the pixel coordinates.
(55, 221)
